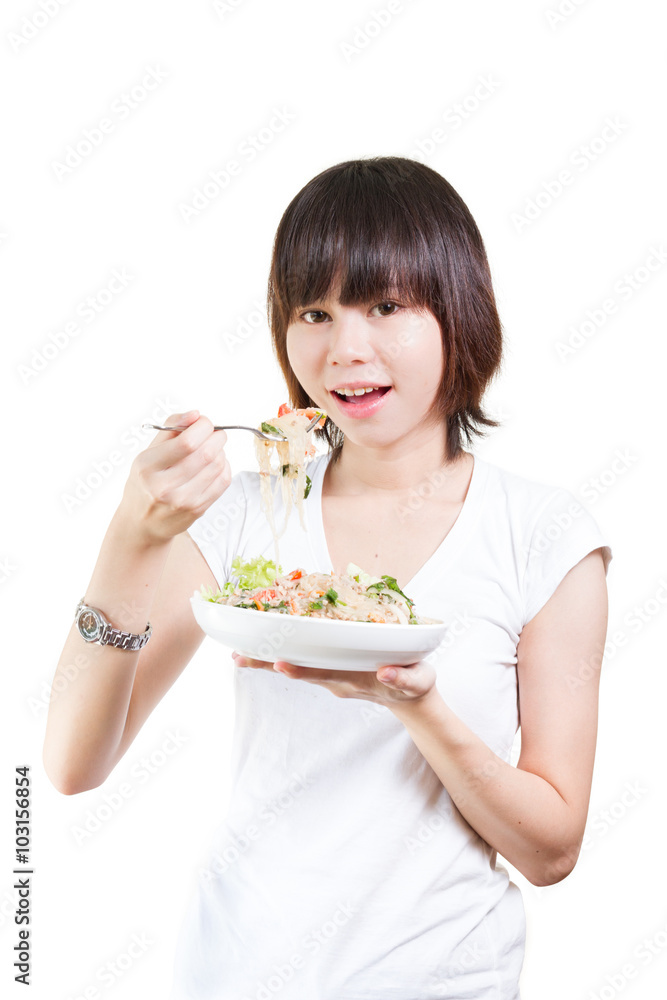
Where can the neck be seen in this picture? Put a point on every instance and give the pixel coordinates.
(397, 469)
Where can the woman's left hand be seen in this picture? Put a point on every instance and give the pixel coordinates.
(389, 685)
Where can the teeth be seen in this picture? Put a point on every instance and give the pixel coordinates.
(354, 392)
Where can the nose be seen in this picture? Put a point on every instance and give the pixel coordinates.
(350, 340)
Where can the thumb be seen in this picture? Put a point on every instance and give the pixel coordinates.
(387, 674)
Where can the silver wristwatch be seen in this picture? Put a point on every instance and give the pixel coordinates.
(94, 627)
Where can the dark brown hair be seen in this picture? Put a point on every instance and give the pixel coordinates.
(382, 223)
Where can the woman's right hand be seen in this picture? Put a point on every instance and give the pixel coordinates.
(176, 478)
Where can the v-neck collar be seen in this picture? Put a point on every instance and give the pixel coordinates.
(439, 560)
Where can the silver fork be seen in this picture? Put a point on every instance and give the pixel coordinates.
(239, 427)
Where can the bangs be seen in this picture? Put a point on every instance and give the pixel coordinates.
(356, 236)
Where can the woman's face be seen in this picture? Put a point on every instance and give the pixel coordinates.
(381, 344)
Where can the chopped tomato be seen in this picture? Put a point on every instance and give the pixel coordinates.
(265, 595)
(309, 413)
(295, 575)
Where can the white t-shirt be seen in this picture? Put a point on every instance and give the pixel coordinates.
(342, 870)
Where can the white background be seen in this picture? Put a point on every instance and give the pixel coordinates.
(552, 82)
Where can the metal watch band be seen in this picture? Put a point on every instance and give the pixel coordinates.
(124, 640)
(111, 636)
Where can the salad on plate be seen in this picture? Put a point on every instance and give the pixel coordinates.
(354, 596)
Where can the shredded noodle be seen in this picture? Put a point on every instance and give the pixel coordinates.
(290, 468)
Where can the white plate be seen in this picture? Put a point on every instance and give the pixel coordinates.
(315, 642)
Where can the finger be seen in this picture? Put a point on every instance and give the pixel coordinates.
(195, 491)
(309, 673)
(178, 420)
(215, 489)
(247, 661)
(318, 674)
(173, 447)
(181, 421)
(385, 674)
(405, 677)
(291, 669)
(203, 453)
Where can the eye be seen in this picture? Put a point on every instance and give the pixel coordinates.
(312, 312)
(382, 305)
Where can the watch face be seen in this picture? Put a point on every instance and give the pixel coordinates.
(90, 626)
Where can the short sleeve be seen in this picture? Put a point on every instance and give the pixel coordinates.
(218, 531)
(561, 534)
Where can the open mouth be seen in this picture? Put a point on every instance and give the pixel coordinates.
(365, 404)
(366, 397)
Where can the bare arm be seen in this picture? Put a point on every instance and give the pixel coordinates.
(147, 569)
(533, 814)
(100, 710)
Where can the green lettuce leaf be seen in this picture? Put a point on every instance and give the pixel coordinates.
(258, 572)
(358, 574)
(270, 429)
(214, 595)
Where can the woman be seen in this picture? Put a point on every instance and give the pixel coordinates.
(358, 855)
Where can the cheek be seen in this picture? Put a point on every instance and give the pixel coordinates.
(416, 351)
(302, 356)
(293, 354)
(414, 331)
